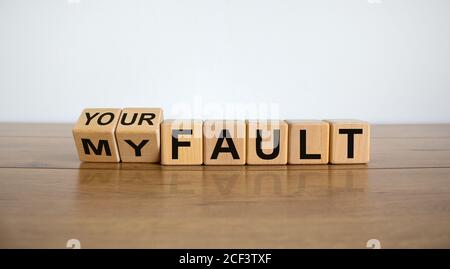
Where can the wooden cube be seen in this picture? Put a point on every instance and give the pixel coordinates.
(181, 142)
(138, 135)
(224, 142)
(349, 141)
(267, 142)
(94, 135)
(308, 142)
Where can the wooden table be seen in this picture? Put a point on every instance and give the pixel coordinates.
(402, 198)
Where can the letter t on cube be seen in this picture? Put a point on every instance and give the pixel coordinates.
(349, 141)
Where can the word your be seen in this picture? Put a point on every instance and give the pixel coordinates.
(141, 135)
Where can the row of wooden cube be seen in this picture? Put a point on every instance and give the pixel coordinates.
(141, 135)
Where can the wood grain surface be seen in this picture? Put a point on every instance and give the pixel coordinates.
(402, 197)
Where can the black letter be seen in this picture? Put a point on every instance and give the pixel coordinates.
(87, 143)
(350, 139)
(137, 148)
(111, 115)
(303, 154)
(176, 143)
(276, 142)
(231, 147)
(89, 118)
(149, 119)
(124, 117)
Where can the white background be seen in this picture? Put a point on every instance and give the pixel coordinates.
(386, 61)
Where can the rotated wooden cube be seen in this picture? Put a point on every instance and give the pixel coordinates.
(349, 141)
(267, 142)
(308, 142)
(181, 142)
(94, 135)
(224, 142)
(138, 135)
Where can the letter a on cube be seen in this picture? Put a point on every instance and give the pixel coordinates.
(138, 135)
(224, 142)
(94, 135)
